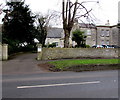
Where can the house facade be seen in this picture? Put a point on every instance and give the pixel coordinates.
(107, 35)
(90, 32)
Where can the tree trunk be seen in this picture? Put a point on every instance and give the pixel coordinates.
(66, 38)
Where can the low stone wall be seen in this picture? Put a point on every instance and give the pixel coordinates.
(0, 52)
(62, 53)
(3, 52)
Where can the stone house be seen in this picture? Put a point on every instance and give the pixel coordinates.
(107, 35)
(96, 35)
(100, 35)
(55, 35)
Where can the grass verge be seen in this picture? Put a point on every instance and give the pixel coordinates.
(84, 64)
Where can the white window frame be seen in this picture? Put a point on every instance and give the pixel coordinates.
(107, 33)
(102, 32)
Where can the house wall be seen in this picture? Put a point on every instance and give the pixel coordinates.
(62, 53)
(102, 35)
(91, 36)
(89, 32)
(115, 36)
(59, 41)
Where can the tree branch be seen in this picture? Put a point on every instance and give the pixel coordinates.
(67, 11)
(63, 8)
(75, 9)
(69, 18)
(87, 13)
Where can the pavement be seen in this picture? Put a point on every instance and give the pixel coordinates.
(23, 63)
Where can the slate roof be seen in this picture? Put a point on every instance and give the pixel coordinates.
(83, 25)
(54, 32)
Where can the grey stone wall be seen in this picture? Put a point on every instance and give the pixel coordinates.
(91, 38)
(112, 38)
(103, 39)
(60, 53)
(115, 36)
(0, 52)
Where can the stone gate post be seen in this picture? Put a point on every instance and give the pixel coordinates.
(39, 51)
(5, 51)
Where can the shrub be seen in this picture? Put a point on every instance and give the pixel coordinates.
(52, 45)
(87, 46)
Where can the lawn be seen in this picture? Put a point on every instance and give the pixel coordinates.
(77, 62)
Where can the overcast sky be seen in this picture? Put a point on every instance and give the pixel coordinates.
(105, 10)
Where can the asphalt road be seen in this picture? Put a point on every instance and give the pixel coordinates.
(95, 84)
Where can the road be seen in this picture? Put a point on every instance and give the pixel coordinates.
(95, 84)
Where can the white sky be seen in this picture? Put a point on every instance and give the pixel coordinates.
(105, 10)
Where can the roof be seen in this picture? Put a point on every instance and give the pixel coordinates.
(107, 26)
(54, 32)
(84, 25)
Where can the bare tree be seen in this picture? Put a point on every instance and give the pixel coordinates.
(49, 18)
(43, 24)
(71, 12)
(1, 8)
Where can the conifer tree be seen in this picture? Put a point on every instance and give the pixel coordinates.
(18, 24)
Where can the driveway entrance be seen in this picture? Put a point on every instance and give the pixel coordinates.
(22, 64)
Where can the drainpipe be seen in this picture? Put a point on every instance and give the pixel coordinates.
(96, 35)
(118, 22)
(118, 34)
